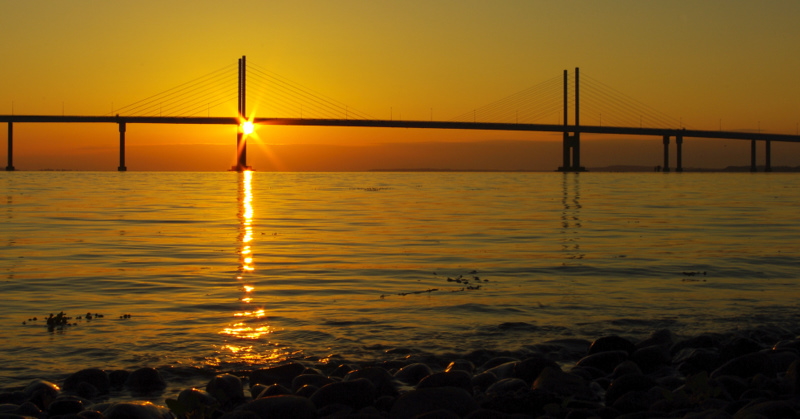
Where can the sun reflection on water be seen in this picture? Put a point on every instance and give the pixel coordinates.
(250, 324)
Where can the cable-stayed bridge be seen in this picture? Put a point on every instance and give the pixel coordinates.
(544, 107)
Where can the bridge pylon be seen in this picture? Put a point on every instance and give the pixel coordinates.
(241, 139)
(572, 142)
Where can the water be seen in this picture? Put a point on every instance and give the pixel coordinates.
(227, 271)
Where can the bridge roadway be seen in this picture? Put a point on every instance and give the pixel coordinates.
(666, 133)
(488, 126)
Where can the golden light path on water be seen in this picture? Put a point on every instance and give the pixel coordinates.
(248, 326)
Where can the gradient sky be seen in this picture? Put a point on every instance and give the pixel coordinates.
(711, 63)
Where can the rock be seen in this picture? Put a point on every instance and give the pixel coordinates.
(746, 366)
(460, 365)
(793, 377)
(455, 378)
(504, 370)
(496, 361)
(118, 378)
(65, 406)
(426, 400)
(611, 343)
(555, 381)
(30, 409)
(227, 389)
(626, 384)
(661, 337)
(341, 370)
(240, 414)
(702, 341)
(90, 414)
(135, 410)
(625, 368)
(605, 361)
(39, 385)
(274, 390)
(529, 369)
(766, 409)
(483, 380)
(41, 393)
(491, 414)
(145, 380)
(738, 347)
(306, 390)
(282, 374)
(193, 403)
(281, 407)
(438, 414)
(413, 373)
(357, 394)
(651, 358)
(508, 385)
(383, 381)
(94, 377)
(691, 361)
(310, 379)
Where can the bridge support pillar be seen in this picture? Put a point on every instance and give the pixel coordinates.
(753, 167)
(768, 156)
(666, 154)
(10, 166)
(679, 155)
(122, 167)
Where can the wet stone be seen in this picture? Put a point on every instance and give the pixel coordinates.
(483, 380)
(227, 389)
(604, 361)
(306, 390)
(413, 373)
(555, 381)
(384, 382)
(145, 380)
(651, 358)
(281, 407)
(310, 379)
(422, 401)
(611, 343)
(358, 393)
(282, 374)
(274, 390)
(626, 384)
(39, 385)
(460, 365)
(746, 366)
(459, 379)
(662, 337)
(95, 377)
(138, 410)
(529, 369)
(494, 362)
(625, 368)
(691, 361)
(65, 406)
(117, 378)
(508, 385)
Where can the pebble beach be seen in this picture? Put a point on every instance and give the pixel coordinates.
(752, 374)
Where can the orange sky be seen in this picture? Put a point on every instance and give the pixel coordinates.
(729, 64)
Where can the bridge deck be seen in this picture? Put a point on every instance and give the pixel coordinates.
(487, 126)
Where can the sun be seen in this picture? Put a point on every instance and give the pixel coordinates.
(248, 127)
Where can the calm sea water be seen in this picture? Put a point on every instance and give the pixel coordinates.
(224, 271)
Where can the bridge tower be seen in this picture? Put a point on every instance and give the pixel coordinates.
(241, 140)
(572, 142)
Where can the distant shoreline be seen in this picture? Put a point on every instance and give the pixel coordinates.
(603, 169)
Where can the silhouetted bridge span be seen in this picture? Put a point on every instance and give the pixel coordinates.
(571, 132)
